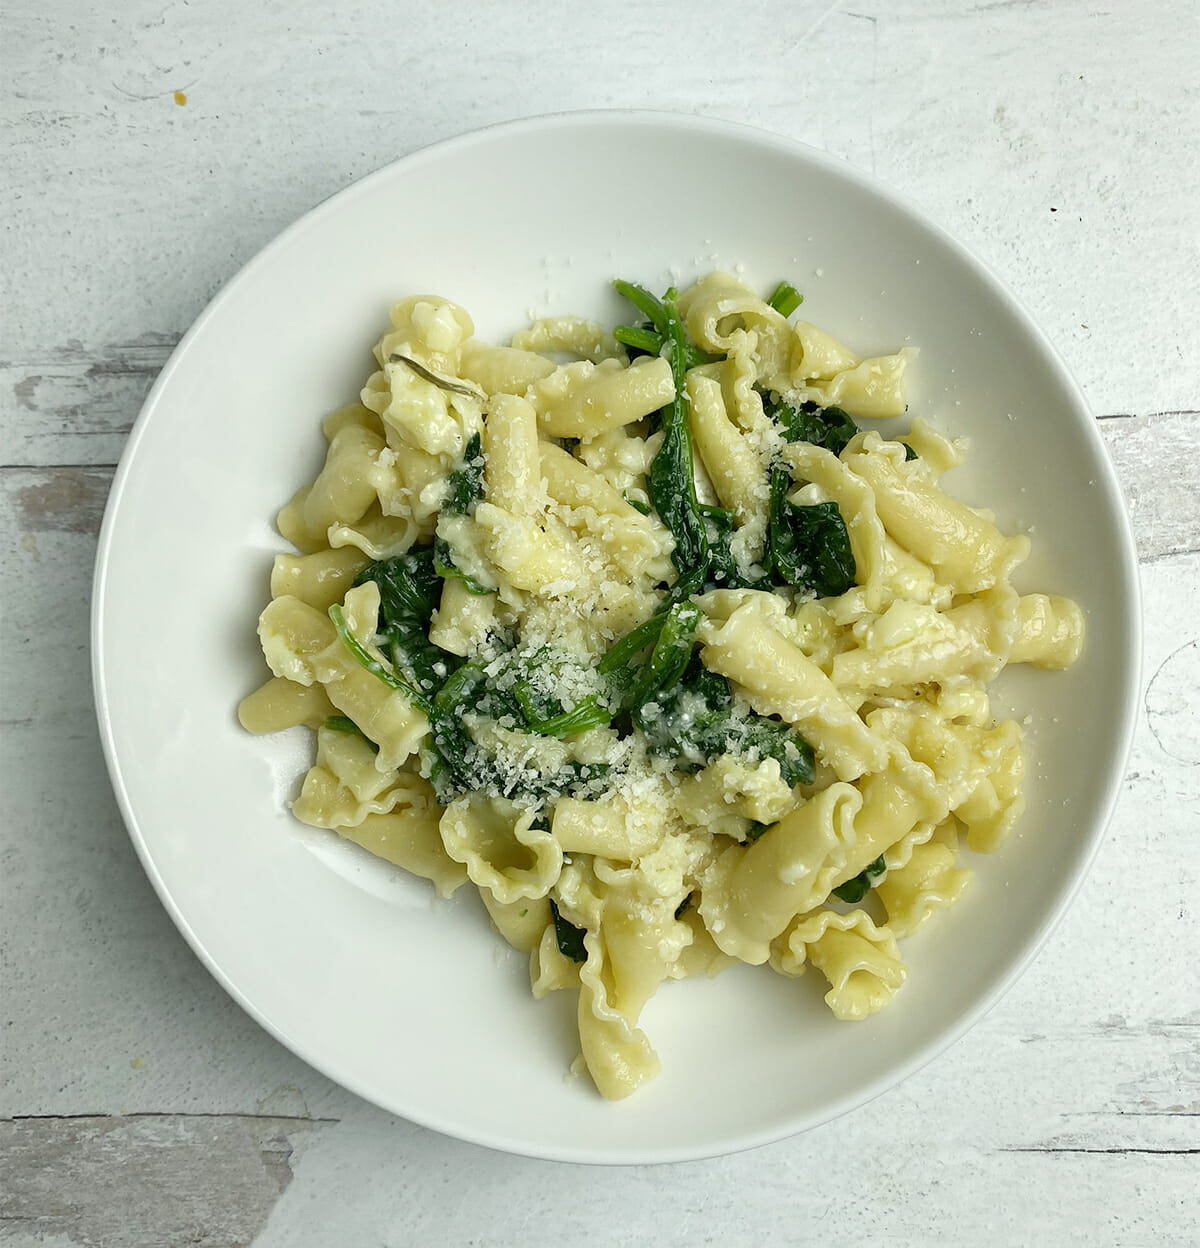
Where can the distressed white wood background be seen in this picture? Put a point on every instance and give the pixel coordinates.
(140, 1106)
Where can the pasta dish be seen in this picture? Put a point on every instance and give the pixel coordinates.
(639, 631)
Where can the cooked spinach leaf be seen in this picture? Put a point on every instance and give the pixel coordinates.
(464, 490)
(857, 888)
(448, 735)
(466, 481)
(669, 637)
(829, 427)
(458, 765)
(644, 339)
(807, 545)
(701, 531)
(694, 720)
(568, 936)
(409, 590)
(671, 654)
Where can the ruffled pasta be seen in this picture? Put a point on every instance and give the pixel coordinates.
(860, 961)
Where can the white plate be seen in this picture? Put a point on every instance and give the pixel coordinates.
(349, 962)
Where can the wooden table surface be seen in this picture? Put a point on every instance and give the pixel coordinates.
(149, 151)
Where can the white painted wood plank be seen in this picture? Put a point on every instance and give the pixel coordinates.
(204, 1181)
(76, 407)
(1155, 456)
(845, 1187)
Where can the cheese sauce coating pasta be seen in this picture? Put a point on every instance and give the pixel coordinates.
(637, 631)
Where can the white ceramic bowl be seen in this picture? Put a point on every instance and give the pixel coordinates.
(349, 962)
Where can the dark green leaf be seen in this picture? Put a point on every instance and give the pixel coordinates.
(856, 889)
(829, 427)
(569, 937)
(723, 571)
(670, 481)
(457, 697)
(409, 588)
(587, 713)
(457, 765)
(622, 653)
(694, 721)
(466, 481)
(671, 654)
(768, 738)
(808, 546)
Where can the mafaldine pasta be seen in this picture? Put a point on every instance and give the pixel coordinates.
(640, 633)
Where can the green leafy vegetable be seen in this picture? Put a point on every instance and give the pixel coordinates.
(669, 636)
(694, 721)
(409, 591)
(457, 765)
(408, 587)
(588, 713)
(856, 889)
(808, 545)
(365, 659)
(622, 653)
(569, 937)
(464, 490)
(648, 339)
(829, 427)
(701, 532)
(537, 710)
(785, 299)
(342, 723)
(671, 654)
(466, 481)
(448, 735)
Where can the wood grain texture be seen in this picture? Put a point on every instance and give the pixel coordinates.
(1055, 139)
(210, 1181)
(74, 404)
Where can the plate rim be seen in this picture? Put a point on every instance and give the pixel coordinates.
(1130, 628)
